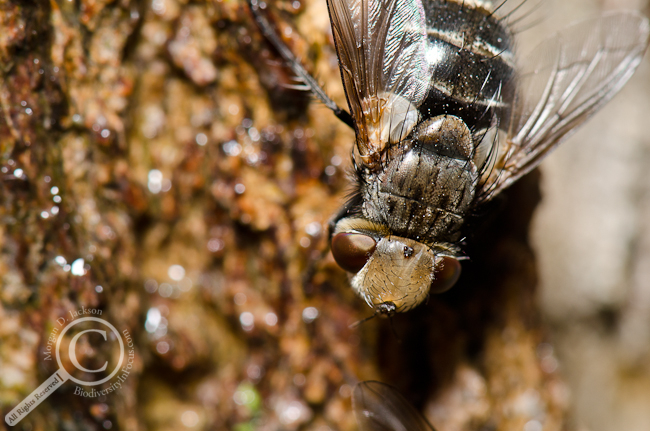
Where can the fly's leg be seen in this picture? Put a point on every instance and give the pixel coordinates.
(270, 34)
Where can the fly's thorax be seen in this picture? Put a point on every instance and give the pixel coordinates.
(445, 135)
(393, 273)
(426, 186)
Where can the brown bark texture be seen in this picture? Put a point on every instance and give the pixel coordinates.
(157, 166)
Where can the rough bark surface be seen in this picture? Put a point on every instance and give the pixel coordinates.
(156, 167)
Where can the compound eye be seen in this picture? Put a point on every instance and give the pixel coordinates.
(446, 274)
(352, 250)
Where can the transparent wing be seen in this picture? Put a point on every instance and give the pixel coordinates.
(381, 45)
(566, 80)
(521, 14)
(379, 407)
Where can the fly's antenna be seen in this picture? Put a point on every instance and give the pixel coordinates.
(303, 76)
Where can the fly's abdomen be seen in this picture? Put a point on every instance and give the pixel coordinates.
(472, 56)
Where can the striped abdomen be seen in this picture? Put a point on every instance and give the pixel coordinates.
(472, 54)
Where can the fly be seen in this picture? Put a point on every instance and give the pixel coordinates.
(378, 406)
(446, 117)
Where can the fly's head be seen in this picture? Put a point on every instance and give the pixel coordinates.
(392, 274)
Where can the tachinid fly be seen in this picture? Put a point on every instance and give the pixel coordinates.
(378, 406)
(446, 117)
